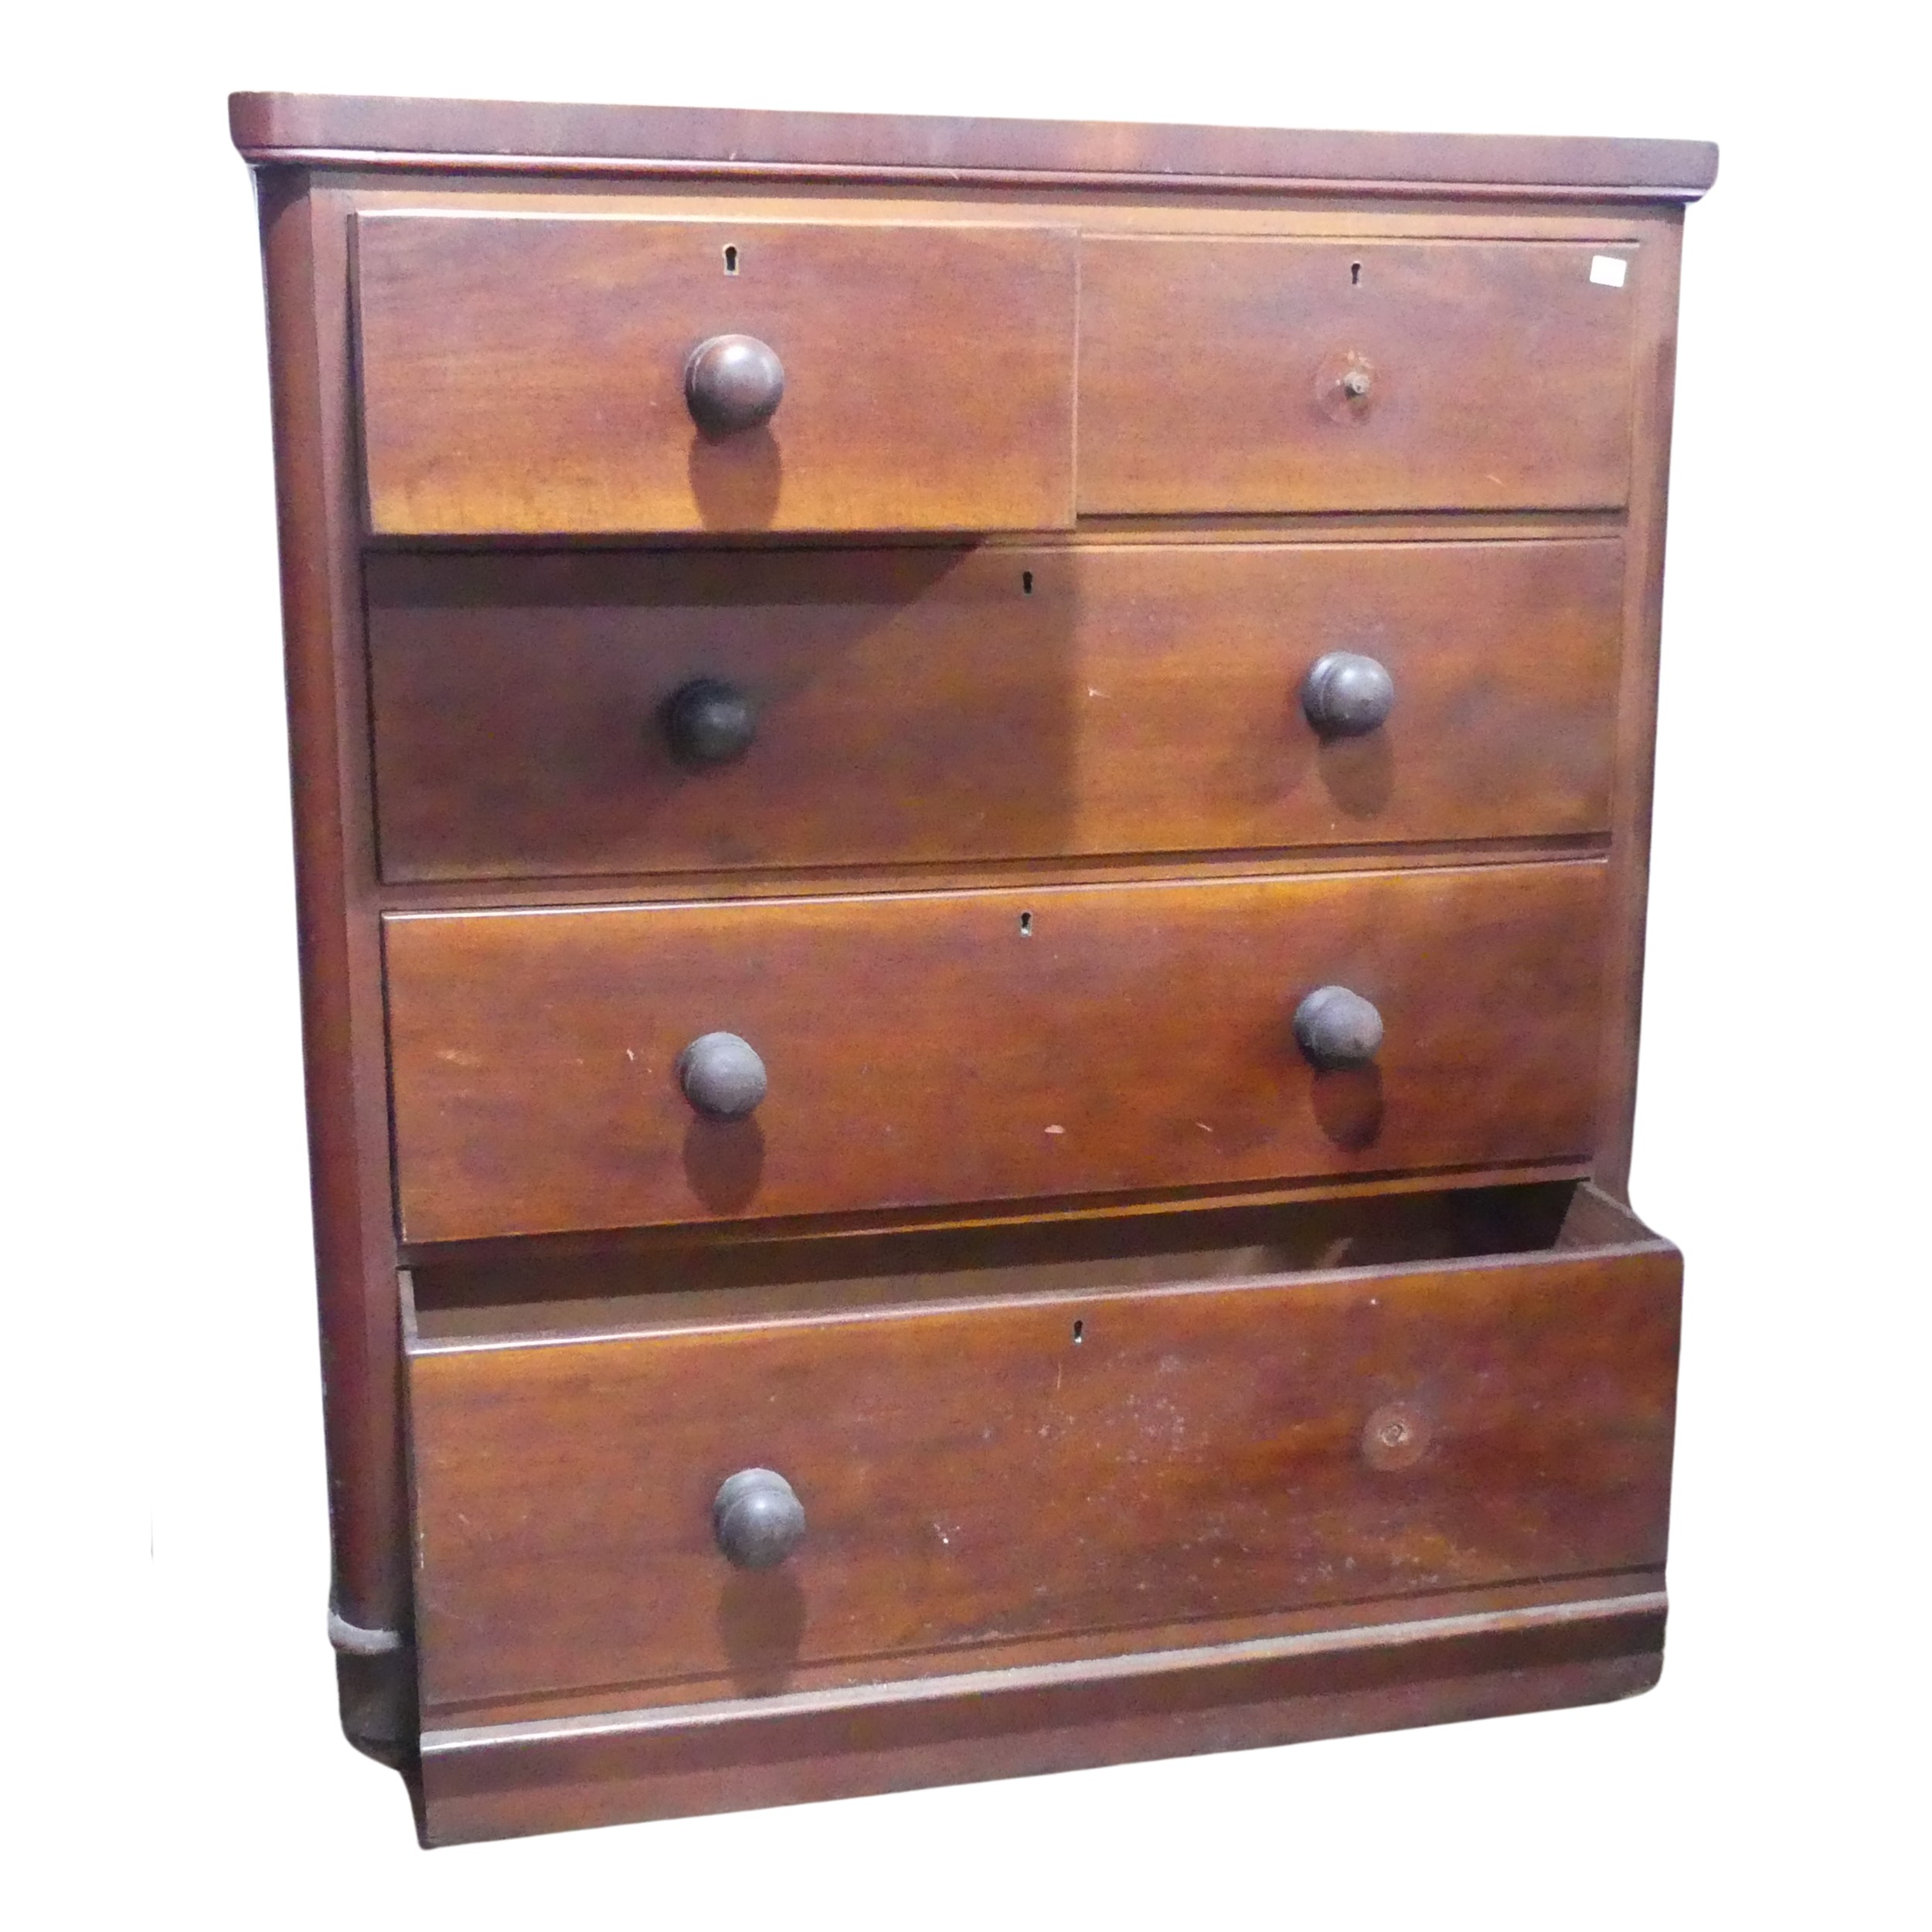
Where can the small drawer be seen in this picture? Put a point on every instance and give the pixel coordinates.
(904, 1050)
(1166, 1430)
(535, 376)
(1250, 375)
(673, 711)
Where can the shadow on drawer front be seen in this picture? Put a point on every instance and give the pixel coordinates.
(972, 1447)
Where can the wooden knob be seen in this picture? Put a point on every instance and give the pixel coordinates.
(757, 1518)
(1337, 1028)
(709, 722)
(733, 382)
(721, 1076)
(1345, 694)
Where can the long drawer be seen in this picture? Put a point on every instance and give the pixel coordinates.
(967, 1047)
(1188, 1438)
(950, 705)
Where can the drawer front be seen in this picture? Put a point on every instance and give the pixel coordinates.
(983, 1045)
(982, 704)
(1263, 375)
(527, 376)
(998, 1473)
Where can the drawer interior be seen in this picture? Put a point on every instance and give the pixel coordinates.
(683, 1281)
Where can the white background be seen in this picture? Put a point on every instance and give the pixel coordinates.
(171, 1720)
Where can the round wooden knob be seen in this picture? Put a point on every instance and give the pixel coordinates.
(721, 1076)
(757, 1518)
(733, 382)
(1338, 1029)
(709, 722)
(1345, 694)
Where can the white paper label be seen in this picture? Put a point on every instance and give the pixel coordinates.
(1610, 270)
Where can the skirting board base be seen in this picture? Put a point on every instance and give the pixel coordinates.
(500, 1780)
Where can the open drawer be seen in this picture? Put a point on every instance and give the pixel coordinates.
(1064, 1441)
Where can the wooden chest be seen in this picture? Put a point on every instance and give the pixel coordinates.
(972, 804)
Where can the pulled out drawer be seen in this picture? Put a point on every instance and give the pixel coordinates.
(560, 374)
(1004, 1446)
(574, 714)
(583, 1069)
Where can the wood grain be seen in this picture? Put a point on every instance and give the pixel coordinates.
(974, 1046)
(303, 245)
(1060, 1463)
(526, 376)
(365, 131)
(949, 705)
(1656, 361)
(1499, 376)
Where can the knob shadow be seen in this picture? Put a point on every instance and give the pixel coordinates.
(736, 479)
(1359, 773)
(724, 1160)
(761, 1622)
(1348, 1105)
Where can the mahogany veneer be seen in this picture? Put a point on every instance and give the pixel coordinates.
(972, 804)
(525, 376)
(1003, 701)
(1492, 375)
(928, 1048)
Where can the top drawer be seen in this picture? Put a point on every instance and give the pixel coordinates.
(526, 374)
(1251, 375)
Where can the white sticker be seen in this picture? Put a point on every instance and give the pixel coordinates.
(1610, 270)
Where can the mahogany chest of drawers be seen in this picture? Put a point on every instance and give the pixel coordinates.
(972, 804)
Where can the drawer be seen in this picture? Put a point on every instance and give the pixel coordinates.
(527, 375)
(968, 1046)
(1263, 375)
(1187, 1421)
(948, 704)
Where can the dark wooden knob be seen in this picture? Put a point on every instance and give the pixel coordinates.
(1338, 1029)
(1345, 694)
(733, 382)
(709, 722)
(721, 1076)
(757, 1518)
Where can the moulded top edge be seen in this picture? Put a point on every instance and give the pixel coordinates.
(366, 132)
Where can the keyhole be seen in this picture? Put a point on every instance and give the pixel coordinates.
(1354, 272)
(731, 258)
(1026, 925)
(1079, 1333)
(1026, 582)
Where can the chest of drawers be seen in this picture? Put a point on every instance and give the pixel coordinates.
(972, 804)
